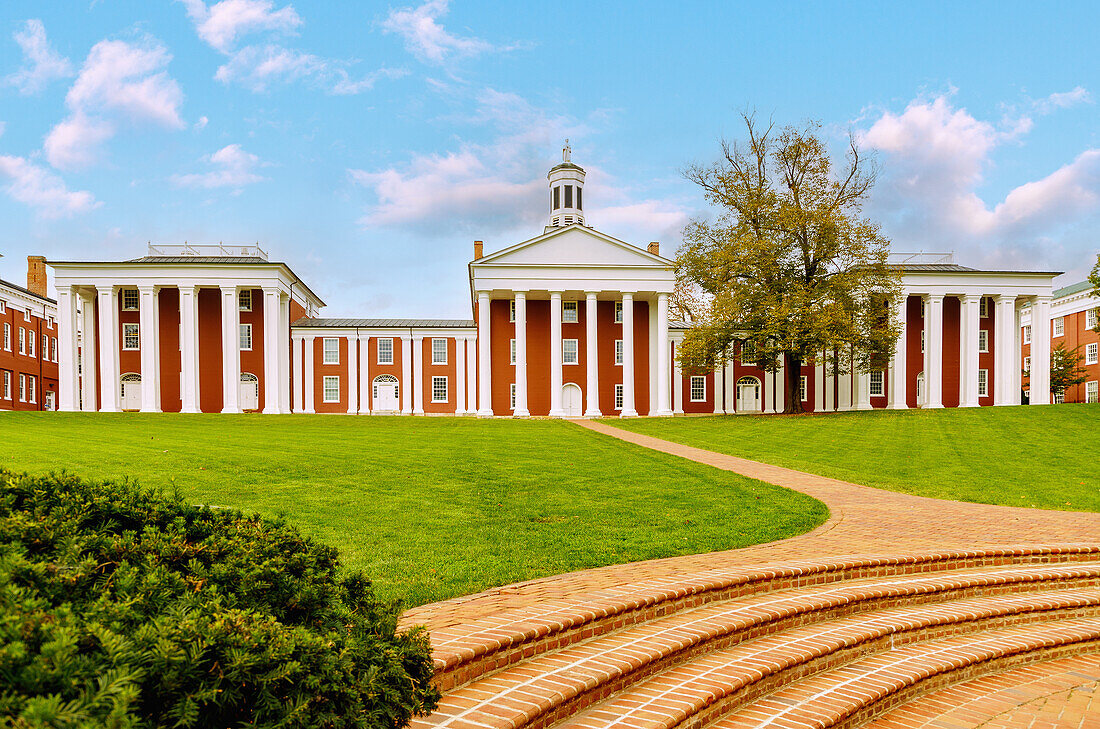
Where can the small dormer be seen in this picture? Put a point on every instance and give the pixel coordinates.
(566, 191)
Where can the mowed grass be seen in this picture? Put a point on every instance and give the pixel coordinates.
(430, 508)
(1046, 457)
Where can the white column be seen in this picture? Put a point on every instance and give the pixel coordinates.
(628, 410)
(678, 383)
(1018, 357)
(108, 337)
(729, 387)
(353, 374)
(652, 359)
(592, 363)
(460, 376)
(819, 382)
(1040, 351)
(471, 375)
(189, 349)
(933, 350)
(720, 389)
(898, 371)
(156, 350)
(830, 382)
(521, 410)
(407, 384)
(284, 353)
(365, 389)
(87, 351)
(969, 323)
(484, 358)
(768, 405)
(663, 406)
(1005, 342)
(418, 375)
(67, 384)
(148, 350)
(273, 373)
(231, 350)
(844, 382)
(299, 381)
(781, 384)
(863, 391)
(555, 355)
(309, 355)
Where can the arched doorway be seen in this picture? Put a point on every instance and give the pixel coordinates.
(248, 394)
(130, 392)
(571, 404)
(920, 390)
(384, 394)
(748, 395)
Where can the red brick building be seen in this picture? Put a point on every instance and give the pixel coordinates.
(28, 342)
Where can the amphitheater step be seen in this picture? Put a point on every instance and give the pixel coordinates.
(550, 687)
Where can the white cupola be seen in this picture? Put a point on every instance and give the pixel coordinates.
(566, 186)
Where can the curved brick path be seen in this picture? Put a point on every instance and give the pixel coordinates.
(863, 521)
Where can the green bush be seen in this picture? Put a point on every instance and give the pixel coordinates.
(121, 606)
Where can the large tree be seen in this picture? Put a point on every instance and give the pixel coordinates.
(791, 266)
(1065, 368)
(1094, 279)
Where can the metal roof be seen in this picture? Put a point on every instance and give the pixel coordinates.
(387, 323)
(1072, 289)
(28, 292)
(200, 259)
(956, 268)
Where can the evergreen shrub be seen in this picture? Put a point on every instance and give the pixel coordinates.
(122, 606)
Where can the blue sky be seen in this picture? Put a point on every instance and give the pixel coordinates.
(369, 144)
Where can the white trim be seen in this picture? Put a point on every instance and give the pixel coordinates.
(983, 383)
(576, 352)
(1058, 326)
(241, 295)
(378, 349)
(446, 388)
(124, 294)
(1092, 353)
(127, 328)
(436, 340)
(620, 352)
(1092, 391)
(245, 329)
(983, 341)
(619, 398)
(325, 381)
(325, 350)
(881, 383)
(1027, 334)
(566, 308)
(702, 381)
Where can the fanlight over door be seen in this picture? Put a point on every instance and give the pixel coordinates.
(249, 392)
(130, 393)
(748, 395)
(384, 392)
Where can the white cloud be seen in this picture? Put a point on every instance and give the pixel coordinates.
(221, 24)
(200, 124)
(39, 188)
(234, 168)
(41, 63)
(1063, 100)
(426, 39)
(119, 82)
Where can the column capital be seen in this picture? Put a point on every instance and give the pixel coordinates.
(417, 337)
(933, 297)
(520, 293)
(592, 294)
(226, 288)
(627, 295)
(147, 288)
(406, 337)
(482, 294)
(970, 298)
(556, 293)
(271, 290)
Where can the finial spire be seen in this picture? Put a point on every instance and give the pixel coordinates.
(566, 150)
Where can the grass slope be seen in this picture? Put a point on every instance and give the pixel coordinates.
(1046, 457)
(430, 507)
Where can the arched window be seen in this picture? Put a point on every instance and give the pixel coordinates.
(130, 377)
(748, 381)
(249, 377)
(385, 378)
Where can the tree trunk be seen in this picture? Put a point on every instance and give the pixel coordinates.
(793, 405)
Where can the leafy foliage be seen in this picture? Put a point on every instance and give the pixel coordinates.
(120, 606)
(1065, 368)
(1094, 279)
(791, 267)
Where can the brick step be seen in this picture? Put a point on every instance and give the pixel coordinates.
(471, 648)
(860, 691)
(552, 686)
(712, 685)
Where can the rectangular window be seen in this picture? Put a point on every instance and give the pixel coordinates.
(129, 299)
(130, 336)
(244, 300)
(568, 196)
(569, 351)
(30, 388)
(7, 385)
(877, 379)
(46, 347)
(22, 340)
(1027, 364)
(53, 350)
(3, 307)
(385, 350)
(512, 352)
(983, 308)
(557, 198)
(618, 312)
(512, 310)
(618, 397)
(512, 396)
(1091, 392)
(439, 389)
(569, 312)
(983, 383)
(618, 351)
(922, 341)
(1027, 334)
(331, 351)
(7, 336)
(30, 343)
(1090, 319)
(1092, 356)
(803, 387)
(246, 337)
(698, 388)
(22, 388)
(579, 206)
(983, 340)
(331, 388)
(439, 351)
(1059, 324)
(1060, 397)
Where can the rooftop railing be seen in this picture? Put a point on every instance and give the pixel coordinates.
(219, 249)
(920, 258)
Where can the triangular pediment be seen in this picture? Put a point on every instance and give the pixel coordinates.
(574, 245)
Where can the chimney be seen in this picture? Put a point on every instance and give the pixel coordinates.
(655, 248)
(479, 249)
(36, 275)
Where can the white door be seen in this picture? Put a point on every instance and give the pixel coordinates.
(571, 400)
(131, 392)
(385, 395)
(248, 393)
(49, 400)
(748, 395)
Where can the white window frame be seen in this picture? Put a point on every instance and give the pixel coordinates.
(1027, 364)
(569, 312)
(876, 389)
(618, 312)
(512, 310)
(803, 388)
(922, 341)
(748, 354)
(53, 349)
(32, 396)
(567, 357)
(983, 383)
(620, 352)
(619, 396)
(125, 295)
(22, 388)
(389, 360)
(3, 307)
(512, 354)
(325, 351)
(325, 382)
(1058, 326)
(22, 340)
(1092, 391)
(1090, 318)
(1027, 334)
(437, 381)
(983, 307)
(45, 347)
(244, 300)
(512, 395)
(1092, 353)
(30, 343)
(245, 337)
(7, 385)
(131, 329)
(983, 341)
(436, 341)
(699, 395)
(7, 336)
(1059, 396)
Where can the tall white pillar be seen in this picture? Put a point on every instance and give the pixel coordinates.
(678, 382)
(308, 357)
(969, 324)
(863, 391)
(521, 410)
(898, 369)
(231, 350)
(157, 399)
(781, 376)
(418, 375)
(460, 375)
(407, 383)
(273, 357)
(299, 377)
(88, 350)
(844, 381)
(353, 374)
(628, 410)
(651, 370)
(830, 381)
(1040, 351)
(720, 388)
(663, 406)
(933, 350)
(1018, 357)
(484, 358)
(68, 397)
(1004, 321)
(365, 389)
(592, 360)
(189, 349)
(284, 353)
(148, 350)
(471, 374)
(108, 337)
(819, 383)
(555, 355)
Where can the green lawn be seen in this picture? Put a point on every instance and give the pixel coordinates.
(1046, 457)
(429, 507)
